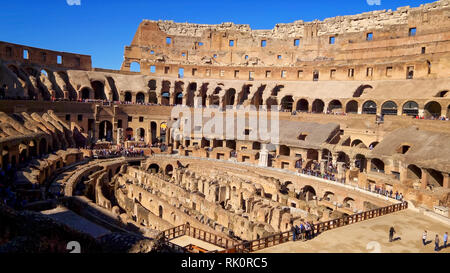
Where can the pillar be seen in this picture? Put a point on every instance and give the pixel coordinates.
(446, 183)
(424, 180)
(263, 157)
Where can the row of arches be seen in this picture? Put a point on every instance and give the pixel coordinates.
(410, 108)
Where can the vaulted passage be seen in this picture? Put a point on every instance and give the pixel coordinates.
(302, 106)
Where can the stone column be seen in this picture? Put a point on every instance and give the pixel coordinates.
(323, 165)
(424, 180)
(446, 183)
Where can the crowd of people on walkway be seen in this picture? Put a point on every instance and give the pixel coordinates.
(304, 231)
(384, 192)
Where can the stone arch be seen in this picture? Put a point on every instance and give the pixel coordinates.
(99, 90)
(389, 108)
(348, 202)
(178, 98)
(351, 107)
(329, 196)
(373, 145)
(85, 93)
(357, 142)
(307, 193)
(152, 85)
(414, 172)
(302, 106)
(343, 157)
(229, 97)
(360, 90)
(153, 128)
(129, 134)
(312, 154)
(128, 96)
(435, 178)
(361, 162)
(377, 165)
(153, 168)
(334, 105)
(318, 106)
(432, 109)
(411, 108)
(287, 103)
(135, 67)
(256, 146)
(140, 98)
(141, 134)
(168, 170)
(369, 108)
(285, 150)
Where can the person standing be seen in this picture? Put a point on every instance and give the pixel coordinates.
(445, 239)
(391, 234)
(424, 237)
(436, 243)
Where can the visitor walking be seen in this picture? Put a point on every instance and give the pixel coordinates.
(391, 234)
(424, 237)
(445, 239)
(436, 243)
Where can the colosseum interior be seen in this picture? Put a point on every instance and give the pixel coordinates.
(111, 158)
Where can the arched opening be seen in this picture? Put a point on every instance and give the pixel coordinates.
(361, 162)
(43, 149)
(328, 196)
(414, 172)
(389, 108)
(229, 97)
(140, 98)
(192, 87)
(312, 154)
(360, 90)
(335, 106)
(231, 144)
(153, 168)
(129, 134)
(179, 98)
(153, 127)
(307, 193)
(349, 203)
(285, 150)
(369, 108)
(85, 93)
(377, 165)
(435, 178)
(152, 98)
(318, 106)
(165, 98)
(343, 157)
(141, 134)
(432, 109)
(152, 85)
(169, 170)
(99, 90)
(411, 108)
(128, 96)
(286, 104)
(135, 67)
(105, 130)
(373, 145)
(358, 143)
(302, 106)
(351, 107)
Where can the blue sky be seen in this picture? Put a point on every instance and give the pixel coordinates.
(102, 28)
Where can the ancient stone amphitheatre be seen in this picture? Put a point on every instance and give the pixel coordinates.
(228, 138)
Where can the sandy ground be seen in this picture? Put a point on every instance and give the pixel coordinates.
(372, 236)
(186, 240)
